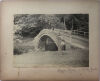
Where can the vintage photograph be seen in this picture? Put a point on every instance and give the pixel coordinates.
(52, 40)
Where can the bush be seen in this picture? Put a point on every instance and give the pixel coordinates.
(18, 51)
(29, 31)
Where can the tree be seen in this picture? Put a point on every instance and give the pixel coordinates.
(50, 22)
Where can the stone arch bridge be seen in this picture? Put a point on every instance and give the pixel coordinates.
(63, 39)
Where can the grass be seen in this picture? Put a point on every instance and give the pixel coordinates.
(70, 58)
(23, 46)
(26, 56)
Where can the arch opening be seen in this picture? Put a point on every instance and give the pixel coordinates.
(46, 43)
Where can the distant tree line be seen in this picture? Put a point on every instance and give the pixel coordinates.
(30, 25)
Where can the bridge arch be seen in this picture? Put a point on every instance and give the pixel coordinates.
(61, 40)
(47, 34)
(46, 43)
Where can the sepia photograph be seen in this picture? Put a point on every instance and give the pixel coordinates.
(51, 40)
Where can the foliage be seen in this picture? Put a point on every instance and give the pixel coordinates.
(30, 25)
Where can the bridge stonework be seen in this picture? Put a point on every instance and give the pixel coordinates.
(60, 37)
